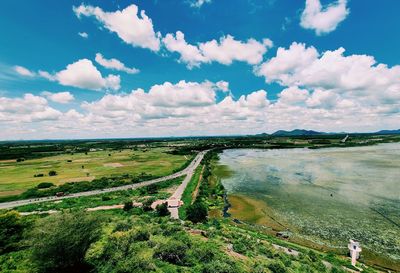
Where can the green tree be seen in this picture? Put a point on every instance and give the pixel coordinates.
(52, 173)
(45, 185)
(162, 209)
(59, 242)
(128, 206)
(12, 227)
(197, 212)
(173, 251)
(147, 204)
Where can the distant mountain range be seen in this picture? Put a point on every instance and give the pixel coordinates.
(297, 132)
(302, 132)
(388, 132)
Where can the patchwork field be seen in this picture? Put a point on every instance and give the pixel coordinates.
(16, 177)
(323, 197)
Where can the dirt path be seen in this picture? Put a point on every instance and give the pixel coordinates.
(196, 191)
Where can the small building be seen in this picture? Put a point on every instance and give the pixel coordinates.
(174, 203)
(354, 249)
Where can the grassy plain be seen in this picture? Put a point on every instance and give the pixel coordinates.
(163, 191)
(16, 177)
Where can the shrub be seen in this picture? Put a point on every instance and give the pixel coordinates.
(128, 206)
(277, 267)
(45, 185)
(105, 198)
(147, 204)
(197, 212)
(20, 159)
(31, 193)
(173, 251)
(218, 266)
(152, 189)
(162, 209)
(141, 235)
(168, 230)
(12, 227)
(52, 173)
(60, 241)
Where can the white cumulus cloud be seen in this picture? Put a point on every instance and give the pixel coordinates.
(323, 19)
(333, 85)
(60, 97)
(224, 51)
(115, 64)
(29, 108)
(83, 74)
(132, 27)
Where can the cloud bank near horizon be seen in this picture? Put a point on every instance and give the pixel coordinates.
(321, 90)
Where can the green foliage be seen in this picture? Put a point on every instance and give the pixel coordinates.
(197, 212)
(11, 231)
(121, 253)
(162, 210)
(105, 198)
(52, 173)
(172, 251)
(243, 244)
(45, 185)
(128, 206)
(187, 195)
(147, 204)
(145, 243)
(277, 267)
(59, 242)
(151, 189)
(141, 235)
(219, 266)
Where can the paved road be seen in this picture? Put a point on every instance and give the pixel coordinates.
(188, 172)
(176, 197)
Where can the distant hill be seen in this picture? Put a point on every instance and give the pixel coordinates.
(388, 132)
(297, 132)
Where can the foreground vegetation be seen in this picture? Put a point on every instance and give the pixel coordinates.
(131, 238)
(138, 241)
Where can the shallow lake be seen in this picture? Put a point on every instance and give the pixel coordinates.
(326, 196)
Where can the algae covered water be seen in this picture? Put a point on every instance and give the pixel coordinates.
(326, 196)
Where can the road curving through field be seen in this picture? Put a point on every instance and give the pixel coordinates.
(188, 171)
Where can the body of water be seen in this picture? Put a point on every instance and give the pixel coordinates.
(327, 195)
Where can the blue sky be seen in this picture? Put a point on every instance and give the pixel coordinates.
(236, 88)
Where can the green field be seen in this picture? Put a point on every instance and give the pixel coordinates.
(16, 177)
